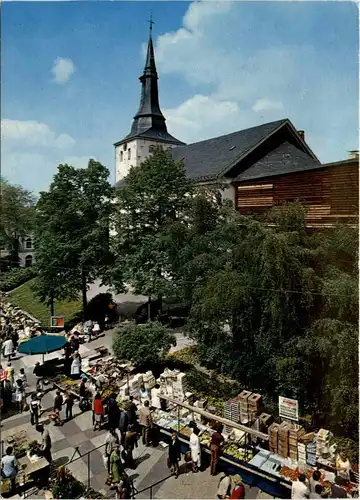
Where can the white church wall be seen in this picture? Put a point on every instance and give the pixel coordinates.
(140, 150)
(125, 157)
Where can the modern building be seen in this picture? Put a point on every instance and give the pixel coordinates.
(260, 167)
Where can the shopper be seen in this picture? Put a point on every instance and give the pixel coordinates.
(174, 455)
(123, 425)
(299, 488)
(113, 413)
(34, 407)
(215, 447)
(318, 491)
(115, 466)
(58, 403)
(76, 366)
(145, 420)
(144, 394)
(45, 443)
(337, 491)
(19, 395)
(8, 348)
(15, 340)
(195, 449)
(98, 411)
(224, 486)
(112, 441)
(314, 480)
(69, 403)
(22, 376)
(9, 467)
(10, 374)
(130, 408)
(39, 374)
(239, 488)
(129, 445)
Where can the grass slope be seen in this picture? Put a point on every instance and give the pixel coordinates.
(25, 298)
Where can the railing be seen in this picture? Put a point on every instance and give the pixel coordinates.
(150, 488)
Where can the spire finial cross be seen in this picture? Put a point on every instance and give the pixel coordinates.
(151, 22)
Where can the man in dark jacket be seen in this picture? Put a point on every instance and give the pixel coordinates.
(174, 454)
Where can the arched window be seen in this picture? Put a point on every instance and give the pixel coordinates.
(129, 154)
(28, 243)
(28, 261)
(121, 156)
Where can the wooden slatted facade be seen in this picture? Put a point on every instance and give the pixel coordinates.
(331, 193)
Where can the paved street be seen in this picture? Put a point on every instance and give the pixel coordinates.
(151, 463)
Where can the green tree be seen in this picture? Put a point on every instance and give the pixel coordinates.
(72, 232)
(17, 217)
(151, 211)
(244, 317)
(331, 343)
(143, 344)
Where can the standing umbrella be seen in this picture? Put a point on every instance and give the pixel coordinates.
(43, 344)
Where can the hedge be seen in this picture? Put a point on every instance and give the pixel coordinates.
(16, 277)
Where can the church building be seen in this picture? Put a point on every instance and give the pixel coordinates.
(259, 167)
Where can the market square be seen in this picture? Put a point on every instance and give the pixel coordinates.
(179, 287)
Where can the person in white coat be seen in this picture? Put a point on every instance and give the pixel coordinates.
(76, 366)
(195, 449)
(8, 348)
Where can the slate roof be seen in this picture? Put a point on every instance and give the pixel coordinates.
(207, 159)
(284, 159)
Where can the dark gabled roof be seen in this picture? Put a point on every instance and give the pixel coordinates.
(208, 159)
(284, 159)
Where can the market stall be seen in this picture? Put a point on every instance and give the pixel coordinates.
(27, 452)
(261, 464)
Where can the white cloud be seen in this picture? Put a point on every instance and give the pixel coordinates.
(266, 104)
(198, 116)
(229, 67)
(76, 161)
(62, 70)
(31, 133)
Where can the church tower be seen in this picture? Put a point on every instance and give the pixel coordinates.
(148, 127)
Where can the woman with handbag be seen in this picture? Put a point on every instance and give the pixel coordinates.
(174, 455)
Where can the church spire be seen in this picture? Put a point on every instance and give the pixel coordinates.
(149, 120)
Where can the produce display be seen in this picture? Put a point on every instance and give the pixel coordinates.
(205, 438)
(20, 442)
(67, 384)
(235, 451)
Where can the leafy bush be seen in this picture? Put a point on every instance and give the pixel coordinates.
(16, 277)
(187, 355)
(143, 344)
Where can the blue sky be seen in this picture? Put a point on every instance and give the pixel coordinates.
(70, 75)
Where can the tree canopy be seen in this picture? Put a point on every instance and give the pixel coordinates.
(151, 212)
(72, 231)
(17, 217)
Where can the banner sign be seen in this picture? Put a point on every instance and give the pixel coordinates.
(288, 408)
(57, 322)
